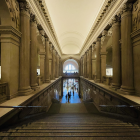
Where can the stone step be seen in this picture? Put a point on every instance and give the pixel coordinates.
(97, 134)
(76, 127)
(71, 138)
(79, 125)
(75, 130)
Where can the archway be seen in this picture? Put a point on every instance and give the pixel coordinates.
(70, 66)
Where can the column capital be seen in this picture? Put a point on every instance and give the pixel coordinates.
(116, 19)
(126, 7)
(24, 6)
(42, 32)
(33, 18)
(104, 32)
(90, 48)
(98, 40)
(47, 39)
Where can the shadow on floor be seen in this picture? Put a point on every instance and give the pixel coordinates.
(90, 107)
(55, 108)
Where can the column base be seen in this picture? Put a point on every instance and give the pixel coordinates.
(35, 87)
(127, 90)
(115, 86)
(25, 91)
(98, 81)
(47, 81)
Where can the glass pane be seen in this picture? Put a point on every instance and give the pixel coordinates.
(66, 67)
(69, 67)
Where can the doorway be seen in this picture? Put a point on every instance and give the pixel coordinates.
(71, 91)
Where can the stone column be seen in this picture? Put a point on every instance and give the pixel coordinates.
(98, 60)
(33, 52)
(42, 65)
(53, 63)
(81, 66)
(24, 74)
(90, 63)
(116, 50)
(47, 74)
(103, 65)
(127, 50)
(57, 61)
(60, 66)
(56, 67)
(85, 65)
(93, 62)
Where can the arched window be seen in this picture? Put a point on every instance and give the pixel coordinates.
(70, 68)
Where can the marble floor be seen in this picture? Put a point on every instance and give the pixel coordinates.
(73, 99)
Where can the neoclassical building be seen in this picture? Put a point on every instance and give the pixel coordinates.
(45, 42)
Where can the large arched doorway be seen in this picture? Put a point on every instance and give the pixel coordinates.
(70, 66)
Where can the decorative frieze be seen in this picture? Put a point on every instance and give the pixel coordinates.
(13, 7)
(136, 16)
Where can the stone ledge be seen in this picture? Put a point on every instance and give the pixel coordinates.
(135, 100)
(6, 113)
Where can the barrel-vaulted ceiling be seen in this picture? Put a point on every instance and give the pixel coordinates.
(72, 21)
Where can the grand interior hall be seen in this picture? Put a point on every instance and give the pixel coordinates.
(70, 69)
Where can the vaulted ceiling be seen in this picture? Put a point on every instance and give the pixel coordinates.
(72, 21)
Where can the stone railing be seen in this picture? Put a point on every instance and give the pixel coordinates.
(3, 91)
(42, 97)
(72, 75)
(103, 95)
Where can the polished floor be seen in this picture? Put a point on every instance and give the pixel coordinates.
(74, 97)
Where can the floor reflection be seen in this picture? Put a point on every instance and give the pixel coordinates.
(70, 85)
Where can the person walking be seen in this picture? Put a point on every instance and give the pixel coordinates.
(66, 97)
(73, 92)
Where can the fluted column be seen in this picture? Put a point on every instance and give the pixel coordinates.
(98, 60)
(33, 52)
(47, 75)
(127, 51)
(53, 63)
(90, 63)
(24, 68)
(116, 51)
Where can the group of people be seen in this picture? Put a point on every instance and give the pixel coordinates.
(68, 96)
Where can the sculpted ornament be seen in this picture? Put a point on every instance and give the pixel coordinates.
(136, 15)
(33, 18)
(127, 7)
(13, 6)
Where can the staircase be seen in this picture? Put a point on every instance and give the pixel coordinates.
(72, 121)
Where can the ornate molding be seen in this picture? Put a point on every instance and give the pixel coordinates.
(136, 16)
(127, 7)
(13, 7)
(33, 18)
(109, 8)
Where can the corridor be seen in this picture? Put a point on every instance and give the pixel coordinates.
(70, 85)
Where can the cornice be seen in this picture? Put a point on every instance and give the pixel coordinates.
(40, 10)
(107, 12)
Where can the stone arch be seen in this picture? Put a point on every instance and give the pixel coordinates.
(78, 62)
